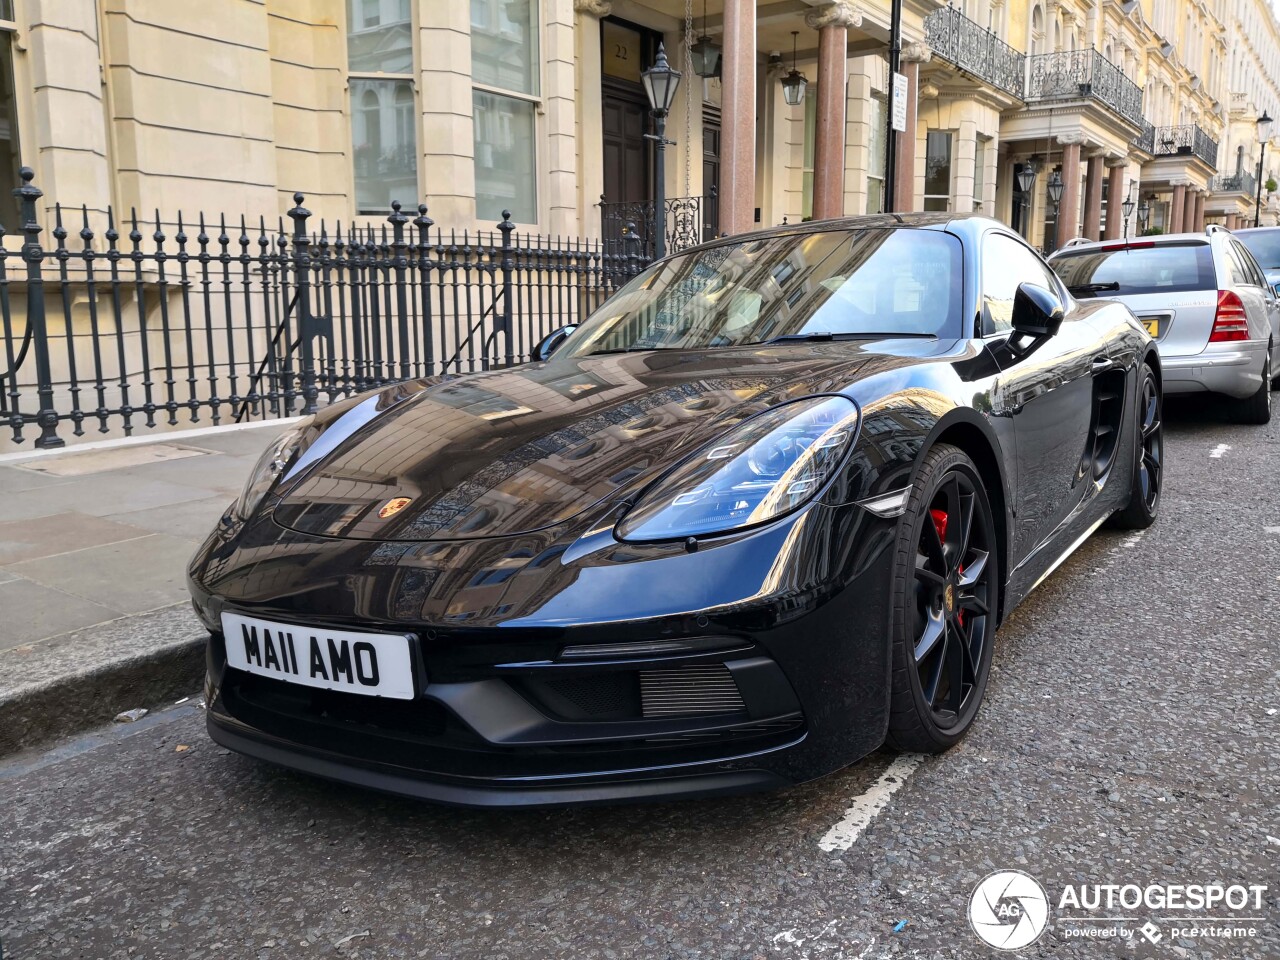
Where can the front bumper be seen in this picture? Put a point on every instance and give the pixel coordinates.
(1233, 369)
(503, 718)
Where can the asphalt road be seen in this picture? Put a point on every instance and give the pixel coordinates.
(1130, 735)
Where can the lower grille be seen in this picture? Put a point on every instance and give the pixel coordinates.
(689, 691)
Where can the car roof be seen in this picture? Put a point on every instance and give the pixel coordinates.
(968, 224)
(1158, 240)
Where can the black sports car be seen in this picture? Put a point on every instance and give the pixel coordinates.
(760, 513)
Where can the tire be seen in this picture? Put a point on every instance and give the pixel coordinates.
(1148, 466)
(1257, 408)
(945, 600)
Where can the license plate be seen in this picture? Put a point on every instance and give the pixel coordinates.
(1152, 324)
(372, 664)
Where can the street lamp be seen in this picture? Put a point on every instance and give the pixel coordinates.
(793, 83)
(1264, 133)
(704, 51)
(1026, 178)
(1127, 207)
(1144, 216)
(660, 83)
(1055, 197)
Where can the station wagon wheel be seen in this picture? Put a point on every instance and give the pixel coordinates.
(945, 604)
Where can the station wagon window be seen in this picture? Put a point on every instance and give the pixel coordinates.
(1248, 271)
(1141, 267)
(1007, 262)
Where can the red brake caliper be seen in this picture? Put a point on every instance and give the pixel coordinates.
(940, 524)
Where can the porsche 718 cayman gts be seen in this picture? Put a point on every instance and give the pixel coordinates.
(759, 514)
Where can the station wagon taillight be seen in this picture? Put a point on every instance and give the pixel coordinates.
(1230, 323)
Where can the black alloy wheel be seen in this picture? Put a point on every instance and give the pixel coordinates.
(1148, 474)
(946, 594)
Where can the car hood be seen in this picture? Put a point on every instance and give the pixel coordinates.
(516, 450)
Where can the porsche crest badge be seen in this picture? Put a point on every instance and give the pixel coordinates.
(393, 506)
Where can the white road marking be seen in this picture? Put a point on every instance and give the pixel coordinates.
(1132, 539)
(866, 807)
(1219, 450)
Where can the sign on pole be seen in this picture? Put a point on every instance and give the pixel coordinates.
(900, 102)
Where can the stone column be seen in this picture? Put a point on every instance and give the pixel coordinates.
(1115, 197)
(1177, 210)
(589, 107)
(1069, 209)
(1189, 212)
(1233, 220)
(832, 23)
(1197, 217)
(738, 118)
(1093, 198)
(904, 173)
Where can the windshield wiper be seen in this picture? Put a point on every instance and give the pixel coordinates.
(824, 335)
(1082, 289)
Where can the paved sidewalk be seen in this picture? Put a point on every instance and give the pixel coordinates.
(94, 545)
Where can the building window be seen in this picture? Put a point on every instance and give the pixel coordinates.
(10, 152)
(506, 96)
(875, 155)
(980, 175)
(810, 145)
(383, 107)
(937, 170)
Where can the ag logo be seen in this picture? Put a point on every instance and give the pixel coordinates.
(1008, 910)
(393, 506)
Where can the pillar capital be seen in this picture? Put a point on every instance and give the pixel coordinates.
(593, 8)
(916, 51)
(1070, 139)
(841, 13)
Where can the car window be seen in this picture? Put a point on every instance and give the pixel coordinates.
(862, 282)
(1007, 262)
(1237, 267)
(1264, 245)
(1248, 265)
(1142, 267)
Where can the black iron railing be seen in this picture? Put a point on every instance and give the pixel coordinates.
(1242, 182)
(960, 41)
(1186, 139)
(682, 223)
(201, 319)
(1084, 75)
(1146, 138)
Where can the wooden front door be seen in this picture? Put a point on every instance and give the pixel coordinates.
(710, 172)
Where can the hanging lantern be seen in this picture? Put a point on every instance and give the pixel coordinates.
(705, 53)
(794, 83)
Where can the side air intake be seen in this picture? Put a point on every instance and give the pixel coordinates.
(689, 691)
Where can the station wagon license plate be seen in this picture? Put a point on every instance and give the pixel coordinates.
(1152, 324)
(372, 664)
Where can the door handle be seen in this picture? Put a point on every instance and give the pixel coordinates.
(1102, 363)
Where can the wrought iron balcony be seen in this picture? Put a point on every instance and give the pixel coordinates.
(1084, 75)
(1242, 182)
(958, 40)
(1146, 139)
(1186, 139)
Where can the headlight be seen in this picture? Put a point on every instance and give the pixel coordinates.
(271, 466)
(763, 468)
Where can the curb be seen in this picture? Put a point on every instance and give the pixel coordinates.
(77, 693)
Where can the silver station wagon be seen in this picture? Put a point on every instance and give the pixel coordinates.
(1215, 318)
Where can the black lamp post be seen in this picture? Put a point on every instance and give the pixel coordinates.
(1264, 132)
(660, 83)
(1127, 207)
(1144, 216)
(1055, 197)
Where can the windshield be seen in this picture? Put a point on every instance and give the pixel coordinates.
(1264, 245)
(872, 282)
(1143, 268)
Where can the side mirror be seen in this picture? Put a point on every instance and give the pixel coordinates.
(548, 344)
(1037, 311)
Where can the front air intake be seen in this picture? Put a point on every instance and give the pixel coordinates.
(689, 691)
